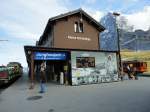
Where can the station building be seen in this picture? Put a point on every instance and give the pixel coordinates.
(70, 48)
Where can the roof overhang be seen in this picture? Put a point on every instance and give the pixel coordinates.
(31, 49)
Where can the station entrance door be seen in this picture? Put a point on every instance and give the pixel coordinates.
(55, 61)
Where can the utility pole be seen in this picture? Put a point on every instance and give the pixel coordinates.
(118, 40)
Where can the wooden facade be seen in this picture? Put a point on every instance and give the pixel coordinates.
(60, 32)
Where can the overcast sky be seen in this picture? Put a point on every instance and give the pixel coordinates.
(22, 22)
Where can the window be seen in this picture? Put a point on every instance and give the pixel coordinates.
(85, 62)
(78, 27)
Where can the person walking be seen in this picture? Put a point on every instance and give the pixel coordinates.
(43, 78)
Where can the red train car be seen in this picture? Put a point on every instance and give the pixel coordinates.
(139, 65)
(10, 72)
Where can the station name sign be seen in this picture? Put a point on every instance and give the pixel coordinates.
(50, 56)
(78, 38)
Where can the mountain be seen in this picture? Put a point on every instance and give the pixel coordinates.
(137, 40)
(108, 38)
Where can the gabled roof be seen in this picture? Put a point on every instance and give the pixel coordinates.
(75, 12)
(92, 20)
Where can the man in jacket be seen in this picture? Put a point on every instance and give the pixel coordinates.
(42, 77)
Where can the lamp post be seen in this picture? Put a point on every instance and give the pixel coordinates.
(118, 40)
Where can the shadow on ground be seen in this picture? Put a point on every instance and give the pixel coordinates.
(32, 98)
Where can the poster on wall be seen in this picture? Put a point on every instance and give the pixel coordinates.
(93, 67)
(85, 62)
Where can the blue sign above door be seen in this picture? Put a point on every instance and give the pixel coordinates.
(50, 56)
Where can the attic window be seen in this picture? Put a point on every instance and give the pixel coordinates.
(78, 27)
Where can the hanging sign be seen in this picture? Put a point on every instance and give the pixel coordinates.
(50, 56)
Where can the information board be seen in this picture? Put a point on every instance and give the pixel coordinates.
(50, 56)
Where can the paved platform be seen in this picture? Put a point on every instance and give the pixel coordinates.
(126, 96)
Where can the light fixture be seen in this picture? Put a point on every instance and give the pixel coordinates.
(29, 52)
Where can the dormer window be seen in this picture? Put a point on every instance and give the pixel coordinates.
(78, 27)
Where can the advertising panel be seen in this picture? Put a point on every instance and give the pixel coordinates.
(93, 67)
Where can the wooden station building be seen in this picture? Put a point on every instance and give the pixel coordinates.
(70, 45)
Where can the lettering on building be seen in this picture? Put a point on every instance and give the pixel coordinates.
(78, 38)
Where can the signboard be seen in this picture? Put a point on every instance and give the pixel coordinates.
(50, 56)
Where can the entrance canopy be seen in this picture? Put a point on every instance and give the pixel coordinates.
(46, 53)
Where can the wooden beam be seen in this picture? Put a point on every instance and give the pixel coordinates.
(32, 71)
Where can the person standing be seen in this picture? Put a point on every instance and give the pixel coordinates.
(135, 73)
(129, 71)
(43, 78)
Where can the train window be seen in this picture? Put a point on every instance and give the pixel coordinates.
(144, 64)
